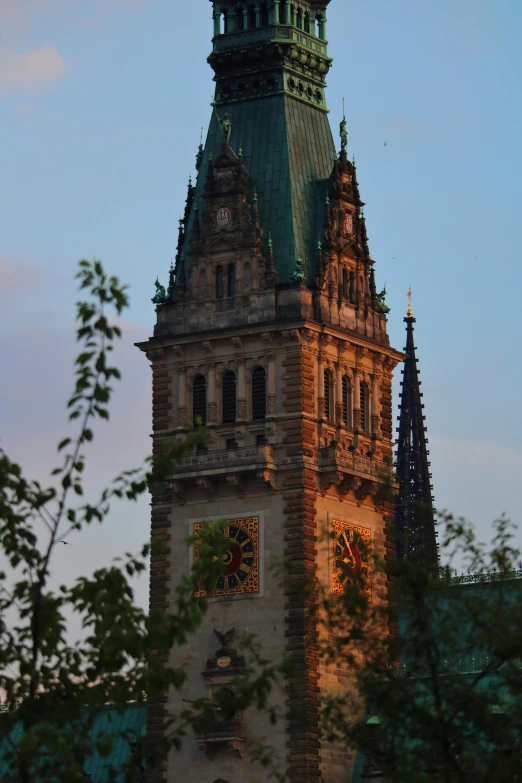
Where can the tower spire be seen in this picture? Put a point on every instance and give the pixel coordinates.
(416, 536)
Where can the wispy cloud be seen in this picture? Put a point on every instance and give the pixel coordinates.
(35, 69)
(16, 279)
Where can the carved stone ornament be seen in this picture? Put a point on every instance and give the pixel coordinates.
(238, 482)
(268, 476)
(207, 486)
(178, 492)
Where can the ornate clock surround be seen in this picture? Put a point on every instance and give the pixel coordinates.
(243, 576)
(352, 544)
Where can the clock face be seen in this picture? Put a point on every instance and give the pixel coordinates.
(223, 217)
(351, 557)
(348, 223)
(241, 574)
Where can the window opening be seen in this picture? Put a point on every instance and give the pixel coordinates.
(264, 15)
(226, 22)
(327, 395)
(260, 440)
(231, 280)
(364, 407)
(252, 20)
(199, 399)
(307, 22)
(299, 19)
(346, 401)
(229, 397)
(220, 292)
(346, 284)
(259, 393)
(231, 444)
(239, 19)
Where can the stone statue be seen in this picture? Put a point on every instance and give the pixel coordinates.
(344, 134)
(161, 295)
(299, 274)
(382, 307)
(226, 128)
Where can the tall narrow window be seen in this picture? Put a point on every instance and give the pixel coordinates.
(352, 287)
(259, 393)
(226, 22)
(346, 284)
(327, 395)
(220, 286)
(347, 398)
(231, 287)
(307, 22)
(299, 19)
(199, 400)
(364, 407)
(229, 397)
(264, 15)
(239, 19)
(252, 21)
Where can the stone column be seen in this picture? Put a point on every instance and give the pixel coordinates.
(356, 400)
(272, 397)
(258, 15)
(211, 396)
(322, 27)
(217, 20)
(320, 384)
(182, 398)
(241, 392)
(288, 19)
(245, 19)
(375, 404)
(339, 396)
(275, 13)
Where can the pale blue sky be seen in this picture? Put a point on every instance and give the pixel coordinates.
(101, 105)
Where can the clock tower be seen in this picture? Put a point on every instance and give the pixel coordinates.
(271, 333)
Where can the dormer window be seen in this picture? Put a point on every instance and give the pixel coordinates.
(220, 283)
(231, 287)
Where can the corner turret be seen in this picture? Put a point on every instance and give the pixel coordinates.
(415, 519)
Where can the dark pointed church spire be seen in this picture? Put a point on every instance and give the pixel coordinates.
(416, 536)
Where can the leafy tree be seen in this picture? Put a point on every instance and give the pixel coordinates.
(442, 699)
(53, 689)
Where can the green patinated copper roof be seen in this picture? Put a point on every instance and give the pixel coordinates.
(288, 149)
(110, 722)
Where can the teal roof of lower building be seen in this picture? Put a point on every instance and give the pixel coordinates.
(131, 722)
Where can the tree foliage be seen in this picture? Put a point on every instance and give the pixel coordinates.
(441, 699)
(53, 689)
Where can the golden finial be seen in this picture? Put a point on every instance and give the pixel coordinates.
(409, 312)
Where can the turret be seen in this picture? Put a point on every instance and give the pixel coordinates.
(415, 521)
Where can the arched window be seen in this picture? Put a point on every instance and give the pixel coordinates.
(231, 283)
(259, 393)
(299, 19)
(239, 19)
(365, 398)
(229, 397)
(199, 400)
(307, 22)
(346, 283)
(321, 26)
(220, 283)
(264, 15)
(328, 395)
(347, 401)
(252, 20)
(226, 22)
(352, 287)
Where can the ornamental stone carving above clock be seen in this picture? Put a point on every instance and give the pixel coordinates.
(241, 573)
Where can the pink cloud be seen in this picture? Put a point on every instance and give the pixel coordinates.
(30, 70)
(15, 279)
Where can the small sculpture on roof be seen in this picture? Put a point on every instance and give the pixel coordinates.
(160, 296)
(344, 134)
(299, 274)
(382, 307)
(226, 128)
